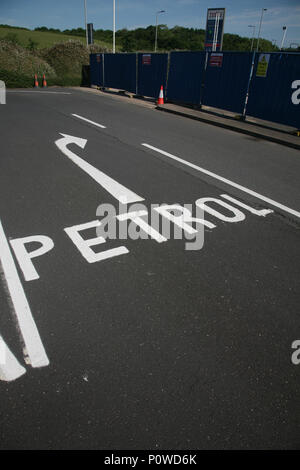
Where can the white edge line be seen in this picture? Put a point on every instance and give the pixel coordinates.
(37, 356)
(88, 120)
(226, 181)
(39, 92)
(10, 369)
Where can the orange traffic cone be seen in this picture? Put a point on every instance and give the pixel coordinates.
(44, 82)
(161, 96)
(36, 83)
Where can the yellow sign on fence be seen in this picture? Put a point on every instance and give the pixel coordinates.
(262, 66)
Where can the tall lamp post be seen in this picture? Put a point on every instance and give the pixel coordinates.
(114, 26)
(85, 21)
(261, 19)
(156, 28)
(284, 29)
(253, 34)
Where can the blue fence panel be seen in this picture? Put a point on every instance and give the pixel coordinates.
(96, 68)
(120, 71)
(273, 97)
(185, 77)
(152, 73)
(226, 80)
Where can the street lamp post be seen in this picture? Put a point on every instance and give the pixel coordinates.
(114, 26)
(261, 18)
(156, 28)
(253, 34)
(284, 29)
(85, 21)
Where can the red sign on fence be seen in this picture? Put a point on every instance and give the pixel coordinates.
(216, 60)
(146, 59)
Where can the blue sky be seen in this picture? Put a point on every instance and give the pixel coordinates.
(139, 13)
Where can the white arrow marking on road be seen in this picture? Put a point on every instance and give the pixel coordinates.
(225, 180)
(10, 368)
(117, 190)
(37, 356)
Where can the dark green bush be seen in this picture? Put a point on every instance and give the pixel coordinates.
(16, 80)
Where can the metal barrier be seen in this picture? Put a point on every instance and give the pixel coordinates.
(186, 77)
(96, 69)
(274, 93)
(226, 80)
(269, 90)
(152, 73)
(120, 71)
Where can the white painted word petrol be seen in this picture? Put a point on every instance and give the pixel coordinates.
(183, 221)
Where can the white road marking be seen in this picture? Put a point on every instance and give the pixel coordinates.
(226, 181)
(84, 245)
(10, 368)
(136, 217)
(88, 120)
(34, 348)
(40, 91)
(259, 213)
(117, 190)
(24, 257)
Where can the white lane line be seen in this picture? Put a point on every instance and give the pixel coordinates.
(117, 190)
(88, 120)
(35, 351)
(10, 368)
(225, 180)
(40, 92)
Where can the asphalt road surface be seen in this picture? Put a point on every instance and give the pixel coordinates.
(143, 344)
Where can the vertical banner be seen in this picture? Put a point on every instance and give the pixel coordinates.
(262, 65)
(90, 31)
(214, 29)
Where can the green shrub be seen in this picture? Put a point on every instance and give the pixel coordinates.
(67, 58)
(12, 37)
(32, 45)
(18, 60)
(15, 80)
(62, 64)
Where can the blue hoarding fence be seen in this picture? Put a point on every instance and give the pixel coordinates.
(96, 69)
(120, 71)
(152, 74)
(274, 93)
(186, 77)
(226, 80)
(262, 85)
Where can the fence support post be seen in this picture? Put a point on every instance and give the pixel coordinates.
(167, 79)
(136, 73)
(202, 85)
(103, 70)
(243, 117)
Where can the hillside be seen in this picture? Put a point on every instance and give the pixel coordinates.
(41, 39)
